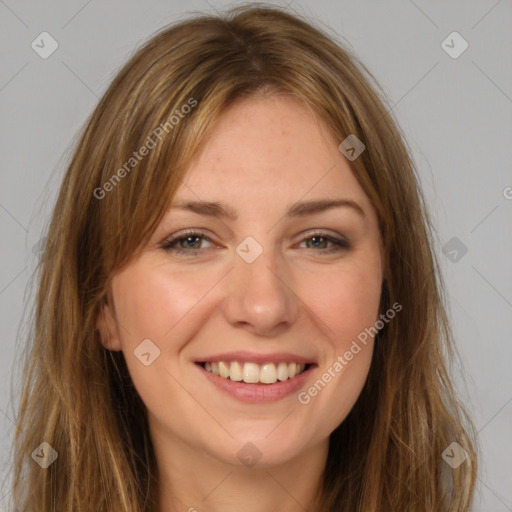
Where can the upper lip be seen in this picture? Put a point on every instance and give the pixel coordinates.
(253, 357)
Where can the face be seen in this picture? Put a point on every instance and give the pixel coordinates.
(238, 321)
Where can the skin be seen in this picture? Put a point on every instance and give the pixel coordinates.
(264, 154)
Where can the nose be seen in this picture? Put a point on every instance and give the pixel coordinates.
(260, 296)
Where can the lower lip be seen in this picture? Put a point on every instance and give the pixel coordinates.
(257, 393)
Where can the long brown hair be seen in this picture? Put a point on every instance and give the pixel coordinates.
(79, 398)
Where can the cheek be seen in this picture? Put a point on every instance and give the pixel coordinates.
(347, 301)
(151, 302)
(350, 310)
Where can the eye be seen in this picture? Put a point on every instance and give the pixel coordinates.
(188, 243)
(320, 240)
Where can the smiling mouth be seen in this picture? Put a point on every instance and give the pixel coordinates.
(253, 373)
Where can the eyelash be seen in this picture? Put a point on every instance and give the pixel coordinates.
(170, 244)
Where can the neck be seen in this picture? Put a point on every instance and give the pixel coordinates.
(193, 481)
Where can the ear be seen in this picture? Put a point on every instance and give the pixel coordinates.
(108, 329)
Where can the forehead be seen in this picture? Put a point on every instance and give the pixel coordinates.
(267, 152)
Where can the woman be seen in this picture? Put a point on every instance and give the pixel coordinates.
(239, 307)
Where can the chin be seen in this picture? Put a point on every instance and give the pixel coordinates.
(260, 450)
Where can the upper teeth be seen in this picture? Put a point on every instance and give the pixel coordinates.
(253, 373)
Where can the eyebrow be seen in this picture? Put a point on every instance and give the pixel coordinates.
(299, 209)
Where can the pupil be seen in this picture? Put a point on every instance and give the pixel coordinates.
(190, 240)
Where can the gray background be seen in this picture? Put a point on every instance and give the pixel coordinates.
(456, 114)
